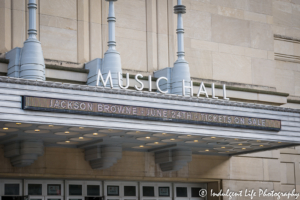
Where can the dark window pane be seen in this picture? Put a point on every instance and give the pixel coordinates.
(11, 189)
(129, 191)
(164, 191)
(148, 191)
(34, 189)
(195, 192)
(93, 190)
(53, 189)
(181, 192)
(112, 190)
(54, 199)
(75, 190)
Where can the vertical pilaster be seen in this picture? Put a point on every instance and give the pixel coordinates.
(162, 34)
(5, 24)
(151, 35)
(95, 29)
(19, 29)
(83, 50)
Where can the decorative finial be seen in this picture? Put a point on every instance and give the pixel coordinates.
(32, 59)
(179, 10)
(111, 19)
(180, 78)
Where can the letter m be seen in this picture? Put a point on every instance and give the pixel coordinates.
(108, 77)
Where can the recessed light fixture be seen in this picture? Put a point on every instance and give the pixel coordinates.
(227, 151)
(141, 146)
(81, 127)
(279, 142)
(18, 123)
(80, 138)
(223, 147)
(164, 133)
(155, 142)
(213, 137)
(240, 144)
(243, 148)
(261, 145)
(236, 139)
(5, 128)
(95, 134)
(37, 130)
(195, 140)
(147, 137)
(172, 139)
(206, 150)
(189, 135)
(258, 141)
(67, 132)
(110, 130)
(50, 125)
(137, 131)
(67, 141)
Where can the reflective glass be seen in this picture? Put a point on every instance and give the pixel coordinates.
(195, 192)
(148, 191)
(34, 189)
(93, 190)
(181, 191)
(164, 191)
(12, 189)
(75, 190)
(54, 189)
(129, 191)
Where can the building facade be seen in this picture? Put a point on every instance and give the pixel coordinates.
(149, 99)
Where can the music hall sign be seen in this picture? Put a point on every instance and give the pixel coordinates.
(147, 113)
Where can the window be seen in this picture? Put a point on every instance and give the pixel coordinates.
(34, 189)
(148, 191)
(75, 190)
(53, 189)
(93, 190)
(181, 191)
(195, 192)
(129, 191)
(12, 189)
(112, 190)
(163, 191)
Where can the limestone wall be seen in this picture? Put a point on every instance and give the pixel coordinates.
(227, 40)
(277, 169)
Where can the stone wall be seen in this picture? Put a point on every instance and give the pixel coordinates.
(227, 40)
(277, 169)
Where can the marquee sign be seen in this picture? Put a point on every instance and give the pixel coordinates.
(147, 113)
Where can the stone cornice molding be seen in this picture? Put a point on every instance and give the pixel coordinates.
(20, 81)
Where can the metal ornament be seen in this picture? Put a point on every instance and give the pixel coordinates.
(112, 58)
(181, 68)
(32, 60)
